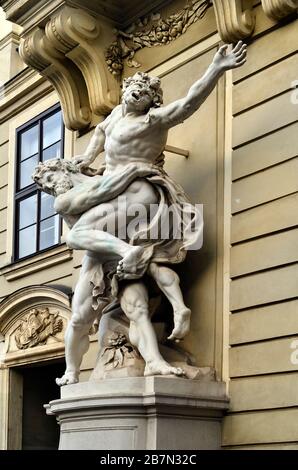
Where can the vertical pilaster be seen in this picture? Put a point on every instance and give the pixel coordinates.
(4, 394)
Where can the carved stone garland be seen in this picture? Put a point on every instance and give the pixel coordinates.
(151, 31)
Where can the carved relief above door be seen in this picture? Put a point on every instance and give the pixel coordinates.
(32, 323)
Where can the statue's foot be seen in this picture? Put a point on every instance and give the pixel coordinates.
(162, 368)
(134, 264)
(181, 324)
(67, 379)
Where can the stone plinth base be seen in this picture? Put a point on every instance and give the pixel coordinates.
(140, 413)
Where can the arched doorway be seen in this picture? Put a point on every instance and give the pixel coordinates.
(32, 327)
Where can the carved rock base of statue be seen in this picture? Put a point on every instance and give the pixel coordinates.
(117, 357)
(140, 413)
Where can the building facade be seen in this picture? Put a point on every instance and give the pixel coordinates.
(61, 67)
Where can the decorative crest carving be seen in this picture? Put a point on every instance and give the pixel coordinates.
(151, 31)
(37, 327)
(233, 21)
(278, 9)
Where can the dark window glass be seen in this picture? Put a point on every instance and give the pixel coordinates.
(49, 232)
(53, 151)
(28, 211)
(27, 241)
(47, 206)
(29, 142)
(51, 130)
(38, 227)
(26, 170)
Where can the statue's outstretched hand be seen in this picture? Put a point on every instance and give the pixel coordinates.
(230, 60)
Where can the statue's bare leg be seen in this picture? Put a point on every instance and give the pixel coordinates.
(77, 332)
(168, 282)
(134, 303)
(83, 237)
(97, 230)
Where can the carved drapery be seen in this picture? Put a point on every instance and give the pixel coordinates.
(70, 53)
(278, 9)
(234, 22)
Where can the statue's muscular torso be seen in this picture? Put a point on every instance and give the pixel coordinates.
(132, 139)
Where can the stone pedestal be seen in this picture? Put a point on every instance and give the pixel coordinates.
(145, 413)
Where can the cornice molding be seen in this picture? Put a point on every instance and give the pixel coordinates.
(9, 38)
(27, 267)
(278, 9)
(120, 13)
(16, 84)
(234, 22)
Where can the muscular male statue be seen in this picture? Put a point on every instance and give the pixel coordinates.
(134, 137)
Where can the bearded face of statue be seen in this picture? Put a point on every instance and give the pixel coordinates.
(54, 182)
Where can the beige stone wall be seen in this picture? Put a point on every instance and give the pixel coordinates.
(242, 167)
(264, 253)
(10, 62)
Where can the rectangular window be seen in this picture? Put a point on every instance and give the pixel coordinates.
(37, 225)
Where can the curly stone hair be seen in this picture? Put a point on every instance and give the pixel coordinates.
(50, 166)
(152, 83)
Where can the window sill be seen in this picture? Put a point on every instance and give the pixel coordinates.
(40, 261)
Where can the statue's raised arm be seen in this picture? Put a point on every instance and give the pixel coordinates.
(95, 146)
(176, 112)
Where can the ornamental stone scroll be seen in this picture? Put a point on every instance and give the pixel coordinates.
(37, 52)
(82, 38)
(69, 52)
(278, 9)
(235, 20)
